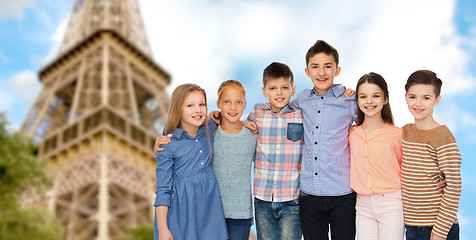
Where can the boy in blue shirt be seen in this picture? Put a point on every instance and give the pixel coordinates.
(326, 197)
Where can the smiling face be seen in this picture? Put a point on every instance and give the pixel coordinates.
(322, 69)
(194, 111)
(371, 100)
(421, 99)
(279, 92)
(231, 103)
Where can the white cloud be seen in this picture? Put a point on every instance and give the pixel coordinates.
(14, 9)
(200, 41)
(24, 86)
(55, 41)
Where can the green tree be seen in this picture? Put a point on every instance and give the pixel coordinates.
(19, 171)
(142, 232)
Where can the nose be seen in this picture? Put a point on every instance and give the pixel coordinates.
(369, 100)
(279, 91)
(320, 71)
(232, 106)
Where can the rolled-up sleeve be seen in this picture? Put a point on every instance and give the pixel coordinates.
(163, 174)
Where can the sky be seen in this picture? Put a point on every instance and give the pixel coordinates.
(209, 41)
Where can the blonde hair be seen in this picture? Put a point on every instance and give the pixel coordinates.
(174, 116)
(230, 83)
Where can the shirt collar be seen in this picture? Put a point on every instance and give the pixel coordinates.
(337, 90)
(179, 133)
(286, 109)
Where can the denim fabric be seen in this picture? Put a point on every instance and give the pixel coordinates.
(238, 229)
(424, 233)
(277, 220)
(295, 131)
(318, 212)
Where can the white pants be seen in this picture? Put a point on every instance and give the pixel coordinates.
(380, 216)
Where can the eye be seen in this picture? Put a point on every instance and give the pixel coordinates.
(239, 102)
(411, 97)
(202, 104)
(226, 102)
(286, 87)
(271, 88)
(362, 96)
(313, 66)
(426, 98)
(189, 105)
(328, 66)
(376, 96)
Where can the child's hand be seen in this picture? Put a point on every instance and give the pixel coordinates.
(215, 116)
(250, 125)
(348, 92)
(351, 128)
(160, 141)
(435, 237)
(441, 185)
(165, 235)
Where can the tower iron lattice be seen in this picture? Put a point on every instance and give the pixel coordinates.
(95, 121)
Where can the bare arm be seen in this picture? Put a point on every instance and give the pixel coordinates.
(164, 232)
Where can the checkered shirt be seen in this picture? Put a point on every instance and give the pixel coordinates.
(276, 176)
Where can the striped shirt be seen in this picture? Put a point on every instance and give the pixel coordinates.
(279, 150)
(427, 155)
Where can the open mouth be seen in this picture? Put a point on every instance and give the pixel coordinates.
(279, 99)
(197, 117)
(418, 110)
(232, 114)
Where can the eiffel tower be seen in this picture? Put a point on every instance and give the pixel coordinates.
(95, 121)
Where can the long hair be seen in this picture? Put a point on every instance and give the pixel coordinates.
(174, 116)
(378, 80)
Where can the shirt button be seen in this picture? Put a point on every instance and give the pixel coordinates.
(317, 127)
(322, 97)
(315, 174)
(315, 143)
(201, 163)
(315, 158)
(201, 151)
(196, 140)
(277, 149)
(279, 131)
(366, 156)
(319, 111)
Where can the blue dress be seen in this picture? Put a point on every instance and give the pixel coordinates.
(187, 185)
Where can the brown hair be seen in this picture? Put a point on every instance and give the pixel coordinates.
(230, 83)
(322, 47)
(424, 77)
(277, 70)
(174, 116)
(377, 79)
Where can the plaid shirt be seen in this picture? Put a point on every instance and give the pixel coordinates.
(279, 150)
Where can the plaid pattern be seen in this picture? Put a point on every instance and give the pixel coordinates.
(276, 176)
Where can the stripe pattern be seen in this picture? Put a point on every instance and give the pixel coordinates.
(428, 157)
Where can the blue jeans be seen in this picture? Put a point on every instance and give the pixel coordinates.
(424, 233)
(238, 229)
(277, 220)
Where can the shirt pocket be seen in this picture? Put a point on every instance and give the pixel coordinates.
(295, 131)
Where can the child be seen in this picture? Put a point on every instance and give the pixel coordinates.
(234, 149)
(376, 156)
(326, 197)
(188, 204)
(280, 142)
(429, 151)
(233, 153)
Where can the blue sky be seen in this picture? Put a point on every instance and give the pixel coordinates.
(208, 41)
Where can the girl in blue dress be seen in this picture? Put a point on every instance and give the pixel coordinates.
(188, 204)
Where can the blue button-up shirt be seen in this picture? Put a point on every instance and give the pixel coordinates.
(325, 169)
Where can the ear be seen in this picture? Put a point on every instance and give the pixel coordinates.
(437, 100)
(264, 92)
(218, 104)
(293, 90)
(244, 104)
(306, 70)
(337, 72)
